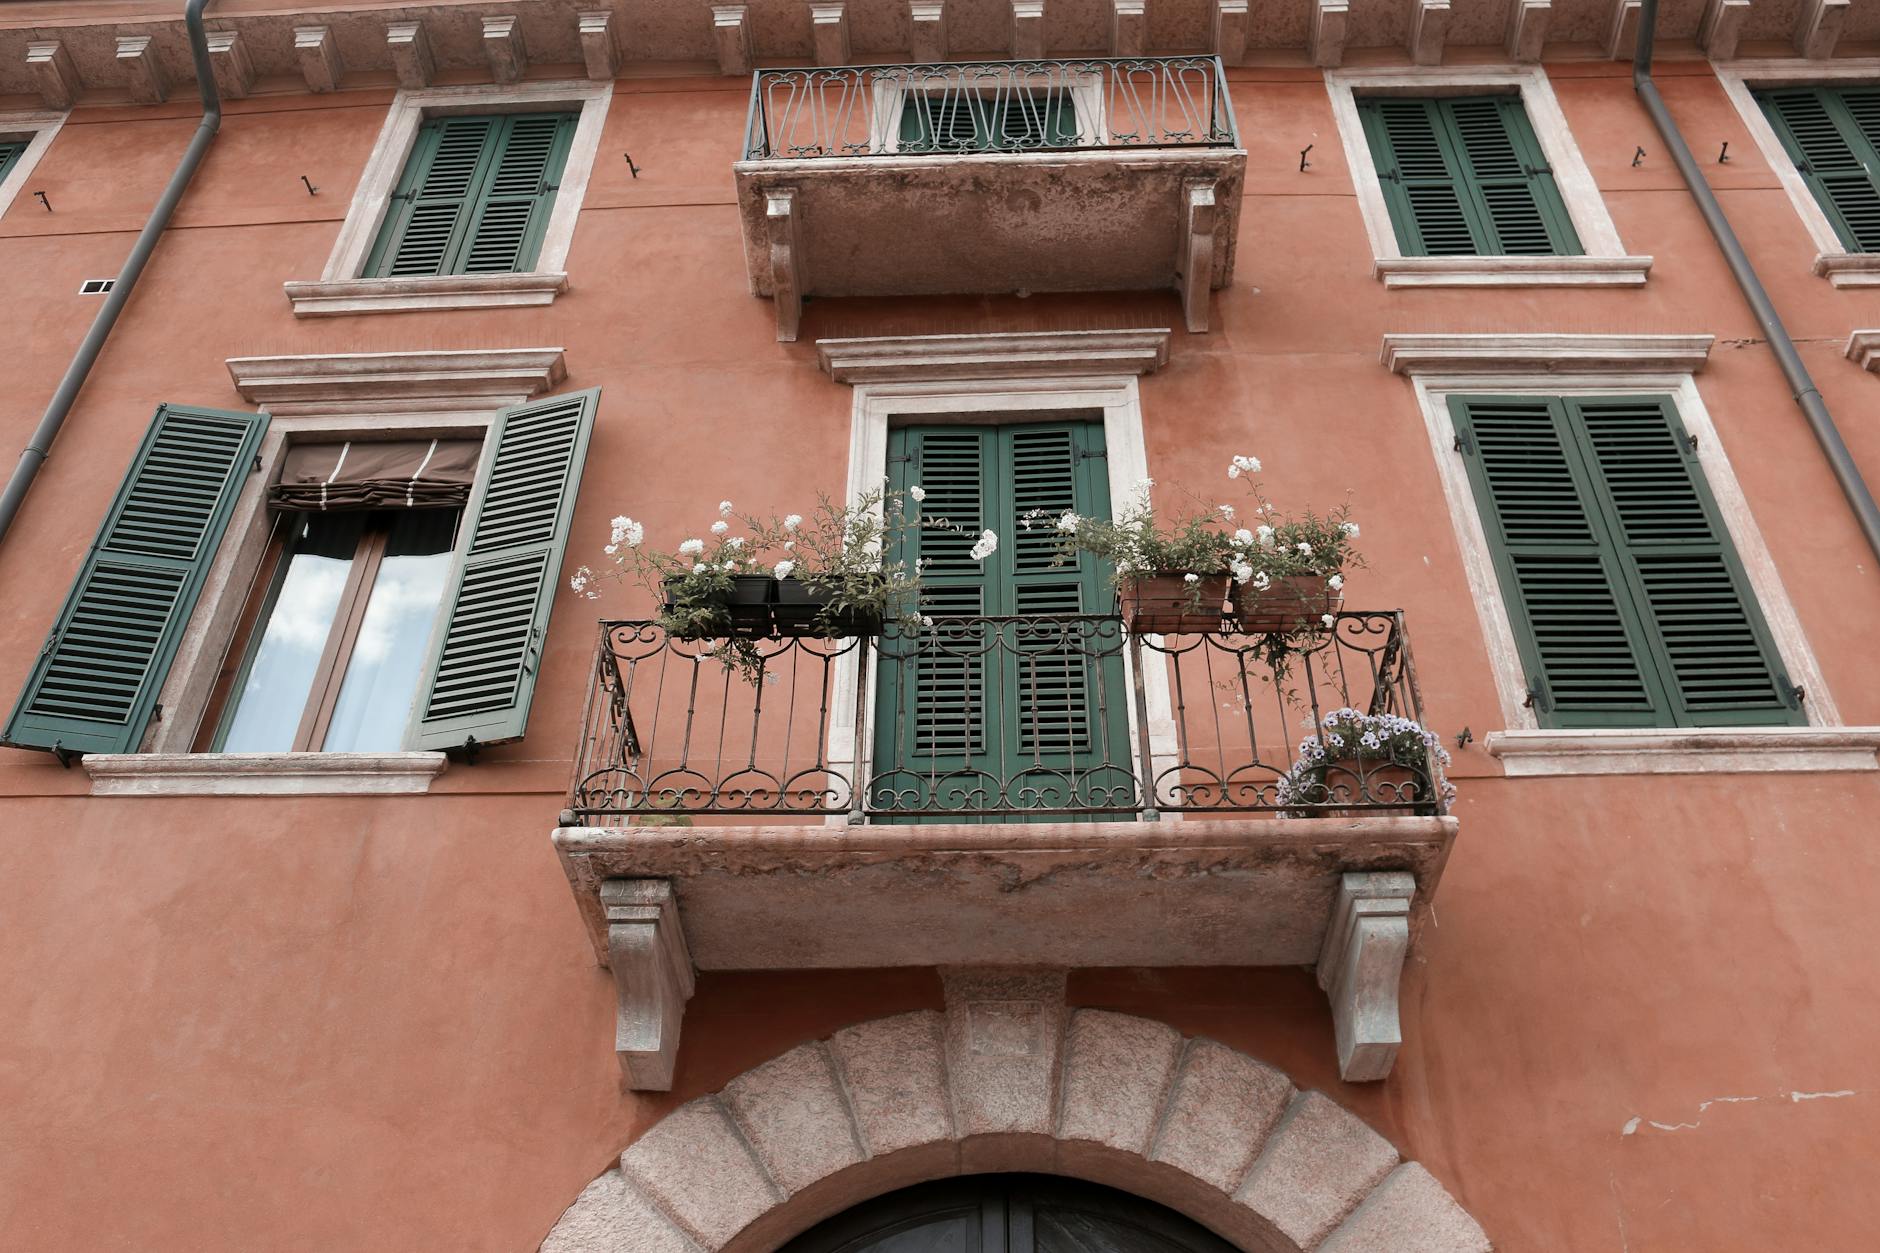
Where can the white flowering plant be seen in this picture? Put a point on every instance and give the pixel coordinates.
(1345, 736)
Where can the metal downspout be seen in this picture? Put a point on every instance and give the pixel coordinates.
(36, 451)
(1801, 386)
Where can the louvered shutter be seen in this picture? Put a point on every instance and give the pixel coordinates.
(1834, 139)
(96, 681)
(1465, 176)
(1628, 605)
(10, 150)
(489, 640)
(475, 197)
(944, 121)
(1712, 648)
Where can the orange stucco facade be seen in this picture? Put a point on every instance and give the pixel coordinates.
(357, 1022)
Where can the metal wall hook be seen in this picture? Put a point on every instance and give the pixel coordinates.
(1303, 163)
(634, 169)
(1464, 737)
(1637, 158)
(311, 189)
(1723, 154)
(41, 196)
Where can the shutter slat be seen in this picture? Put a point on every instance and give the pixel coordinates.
(1833, 136)
(95, 685)
(481, 679)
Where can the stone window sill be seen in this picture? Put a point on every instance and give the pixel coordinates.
(262, 774)
(336, 297)
(1513, 271)
(1763, 750)
(1849, 269)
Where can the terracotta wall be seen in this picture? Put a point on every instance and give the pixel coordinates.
(349, 1023)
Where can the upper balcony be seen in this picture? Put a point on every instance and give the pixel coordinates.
(1041, 790)
(976, 177)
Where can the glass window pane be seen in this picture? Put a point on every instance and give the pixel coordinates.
(388, 659)
(274, 691)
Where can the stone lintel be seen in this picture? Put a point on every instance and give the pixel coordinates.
(1326, 41)
(1722, 27)
(234, 68)
(410, 47)
(1129, 28)
(829, 31)
(51, 64)
(1230, 30)
(1818, 28)
(318, 53)
(731, 31)
(503, 46)
(786, 280)
(1429, 31)
(1622, 29)
(1027, 30)
(1195, 264)
(927, 30)
(145, 78)
(600, 47)
(1360, 965)
(1527, 29)
(652, 977)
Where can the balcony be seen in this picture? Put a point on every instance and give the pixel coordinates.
(1047, 790)
(976, 177)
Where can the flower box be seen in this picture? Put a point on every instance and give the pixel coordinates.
(740, 609)
(1166, 603)
(1366, 765)
(802, 611)
(1293, 602)
(1387, 788)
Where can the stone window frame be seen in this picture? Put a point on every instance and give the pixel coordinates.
(878, 405)
(1741, 80)
(38, 128)
(1523, 746)
(1605, 263)
(342, 289)
(890, 99)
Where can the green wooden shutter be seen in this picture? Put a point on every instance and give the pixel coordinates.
(10, 150)
(1628, 604)
(1711, 645)
(489, 641)
(475, 196)
(1833, 136)
(95, 684)
(1465, 176)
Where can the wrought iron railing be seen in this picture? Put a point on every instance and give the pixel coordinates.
(961, 107)
(1013, 719)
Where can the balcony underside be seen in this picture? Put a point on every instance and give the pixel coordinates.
(991, 223)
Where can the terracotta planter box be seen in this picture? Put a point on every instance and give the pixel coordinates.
(1168, 604)
(1294, 603)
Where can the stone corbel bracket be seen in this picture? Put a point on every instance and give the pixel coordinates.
(1360, 966)
(1200, 223)
(653, 978)
(786, 279)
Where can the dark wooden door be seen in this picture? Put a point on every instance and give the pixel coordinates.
(1009, 1214)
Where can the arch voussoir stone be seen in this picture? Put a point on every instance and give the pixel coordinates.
(1010, 1078)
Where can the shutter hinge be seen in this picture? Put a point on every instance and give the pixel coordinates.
(1537, 696)
(470, 750)
(255, 466)
(156, 712)
(1392, 175)
(1690, 441)
(1532, 170)
(901, 458)
(1463, 445)
(1793, 694)
(1805, 167)
(1098, 455)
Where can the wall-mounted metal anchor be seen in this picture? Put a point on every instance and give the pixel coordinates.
(1463, 737)
(632, 168)
(1723, 153)
(1638, 158)
(1303, 163)
(41, 197)
(311, 189)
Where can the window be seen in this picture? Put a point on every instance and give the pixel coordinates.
(983, 704)
(957, 121)
(1465, 176)
(24, 139)
(475, 196)
(1470, 177)
(1628, 602)
(11, 150)
(406, 619)
(1832, 134)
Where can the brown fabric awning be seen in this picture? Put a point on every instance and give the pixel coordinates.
(392, 474)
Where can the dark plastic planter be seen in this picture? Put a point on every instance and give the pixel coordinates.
(803, 611)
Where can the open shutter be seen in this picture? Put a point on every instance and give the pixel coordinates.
(428, 217)
(514, 205)
(1519, 203)
(1585, 651)
(1713, 648)
(1465, 176)
(1421, 175)
(1832, 137)
(96, 681)
(489, 640)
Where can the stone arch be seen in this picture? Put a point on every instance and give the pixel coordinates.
(1009, 1079)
